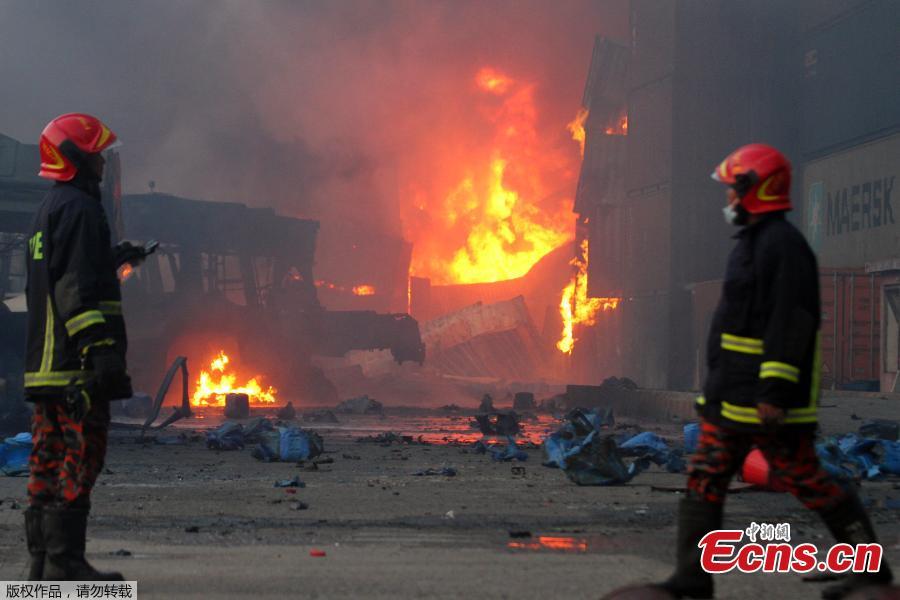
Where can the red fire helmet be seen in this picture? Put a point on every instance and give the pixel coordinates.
(67, 139)
(760, 175)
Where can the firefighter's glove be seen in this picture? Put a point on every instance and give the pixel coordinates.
(771, 416)
(126, 252)
(110, 375)
(78, 401)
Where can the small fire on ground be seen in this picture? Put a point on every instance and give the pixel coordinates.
(363, 289)
(575, 307)
(220, 380)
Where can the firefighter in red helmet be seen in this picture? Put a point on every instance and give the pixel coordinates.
(762, 389)
(75, 353)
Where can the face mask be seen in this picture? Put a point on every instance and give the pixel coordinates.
(735, 216)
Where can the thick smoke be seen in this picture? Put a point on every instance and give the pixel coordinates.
(317, 109)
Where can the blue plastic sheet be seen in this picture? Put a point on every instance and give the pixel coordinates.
(853, 457)
(228, 436)
(589, 455)
(691, 437)
(503, 453)
(14, 453)
(297, 444)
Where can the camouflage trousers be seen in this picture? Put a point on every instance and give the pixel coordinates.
(66, 455)
(792, 462)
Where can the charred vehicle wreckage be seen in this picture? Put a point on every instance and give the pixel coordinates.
(223, 275)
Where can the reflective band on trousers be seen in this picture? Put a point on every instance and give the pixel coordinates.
(781, 370)
(745, 345)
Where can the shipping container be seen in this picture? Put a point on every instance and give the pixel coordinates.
(851, 329)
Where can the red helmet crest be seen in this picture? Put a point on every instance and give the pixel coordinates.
(68, 138)
(761, 176)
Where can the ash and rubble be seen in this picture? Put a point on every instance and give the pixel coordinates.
(420, 484)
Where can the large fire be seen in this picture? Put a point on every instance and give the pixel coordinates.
(214, 385)
(493, 207)
(575, 307)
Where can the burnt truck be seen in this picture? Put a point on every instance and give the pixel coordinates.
(224, 275)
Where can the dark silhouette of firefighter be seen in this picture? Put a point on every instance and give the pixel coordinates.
(764, 364)
(76, 344)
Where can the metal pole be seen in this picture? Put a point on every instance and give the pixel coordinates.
(834, 345)
(872, 326)
(852, 316)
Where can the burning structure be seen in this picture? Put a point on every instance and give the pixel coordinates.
(649, 214)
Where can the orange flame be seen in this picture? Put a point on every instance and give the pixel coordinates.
(619, 127)
(560, 543)
(214, 385)
(575, 307)
(501, 208)
(576, 128)
(364, 290)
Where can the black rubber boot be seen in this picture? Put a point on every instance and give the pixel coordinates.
(849, 524)
(64, 533)
(695, 519)
(34, 536)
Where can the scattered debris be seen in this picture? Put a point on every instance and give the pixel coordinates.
(290, 483)
(882, 429)
(500, 452)
(351, 457)
(524, 401)
(320, 416)
(853, 457)
(120, 552)
(317, 553)
(192, 529)
(450, 515)
(287, 412)
(299, 505)
(519, 534)
(590, 457)
(297, 444)
(648, 444)
(237, 406)
(498, 423)
(362, 405)
(444, 472)
(233, 436)
(386, 438)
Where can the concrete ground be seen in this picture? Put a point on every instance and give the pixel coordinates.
(188, 522)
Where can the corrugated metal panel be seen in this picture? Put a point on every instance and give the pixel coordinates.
(852, 207)
(851, 327)
(851, 83)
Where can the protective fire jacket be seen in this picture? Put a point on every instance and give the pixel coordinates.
(763, 343)
(73, 293)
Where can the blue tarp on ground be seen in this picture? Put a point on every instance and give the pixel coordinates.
(501, 453)
(14, 452)
(297, 444)
(590, 456)
(853, 457)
